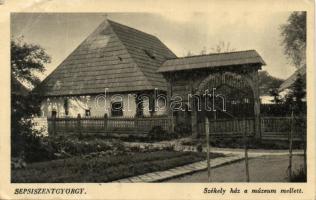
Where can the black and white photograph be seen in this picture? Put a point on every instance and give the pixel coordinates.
(147, 97)
(105, 99)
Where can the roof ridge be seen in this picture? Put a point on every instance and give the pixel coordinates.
(151, 35)
(227, 59)
(201, 55)
(132, 58)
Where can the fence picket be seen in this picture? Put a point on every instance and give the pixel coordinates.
(106, 124)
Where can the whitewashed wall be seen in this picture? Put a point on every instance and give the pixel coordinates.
(99, 105)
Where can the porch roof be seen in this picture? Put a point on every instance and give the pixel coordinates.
(212, 60)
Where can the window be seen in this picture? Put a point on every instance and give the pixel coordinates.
(87, 112)
(117, 109)
(66, 106)
(54, 113)
(150, 53)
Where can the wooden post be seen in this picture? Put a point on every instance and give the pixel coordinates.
(54, 124)
(136, 124)
(170, 109)
(290, 147)
(105, 123)
(207, 132)
(304, 144)
(246, 151)
(79, 123)
(215, 125)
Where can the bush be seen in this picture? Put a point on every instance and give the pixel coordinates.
(182, 129)
(72, 145)
(38, 148)
(28, 145)
(158, 134)
(104, 169)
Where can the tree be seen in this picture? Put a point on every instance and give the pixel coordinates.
(294, 43)
(276, 96)
(294, 38)
(295, 101)
(222, 47)
(26, 61)
(269, 86)
(268, 82)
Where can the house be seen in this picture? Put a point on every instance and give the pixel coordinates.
(118, 71)
(287, 84)
(106, 74)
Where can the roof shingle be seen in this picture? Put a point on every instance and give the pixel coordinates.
(212, 60)
(114, 56)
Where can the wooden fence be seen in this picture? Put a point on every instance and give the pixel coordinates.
(279, 128)
(272, 128)
(106, 125)
(229, 128)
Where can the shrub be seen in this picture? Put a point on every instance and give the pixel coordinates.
(105, 168)
(182, 129)
(28, 145)
(72, 145)
(157, 133)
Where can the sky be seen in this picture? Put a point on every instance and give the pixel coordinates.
(60, 33)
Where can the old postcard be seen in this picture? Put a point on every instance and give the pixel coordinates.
(157, 100)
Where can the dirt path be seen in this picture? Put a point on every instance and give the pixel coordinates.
(261, 169)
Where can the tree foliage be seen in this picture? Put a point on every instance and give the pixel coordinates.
(268, 84)
(26, 60)
(296, 96)
(294, 38)
(222, 47)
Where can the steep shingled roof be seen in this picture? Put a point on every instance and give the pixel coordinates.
(212, 60)
(114, 56)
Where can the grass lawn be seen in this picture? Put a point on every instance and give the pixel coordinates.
(103, 168)
(261, 169)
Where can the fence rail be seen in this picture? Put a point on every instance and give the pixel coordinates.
(272, 128)
(229, 127)
(278, 128)
(106, 125)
